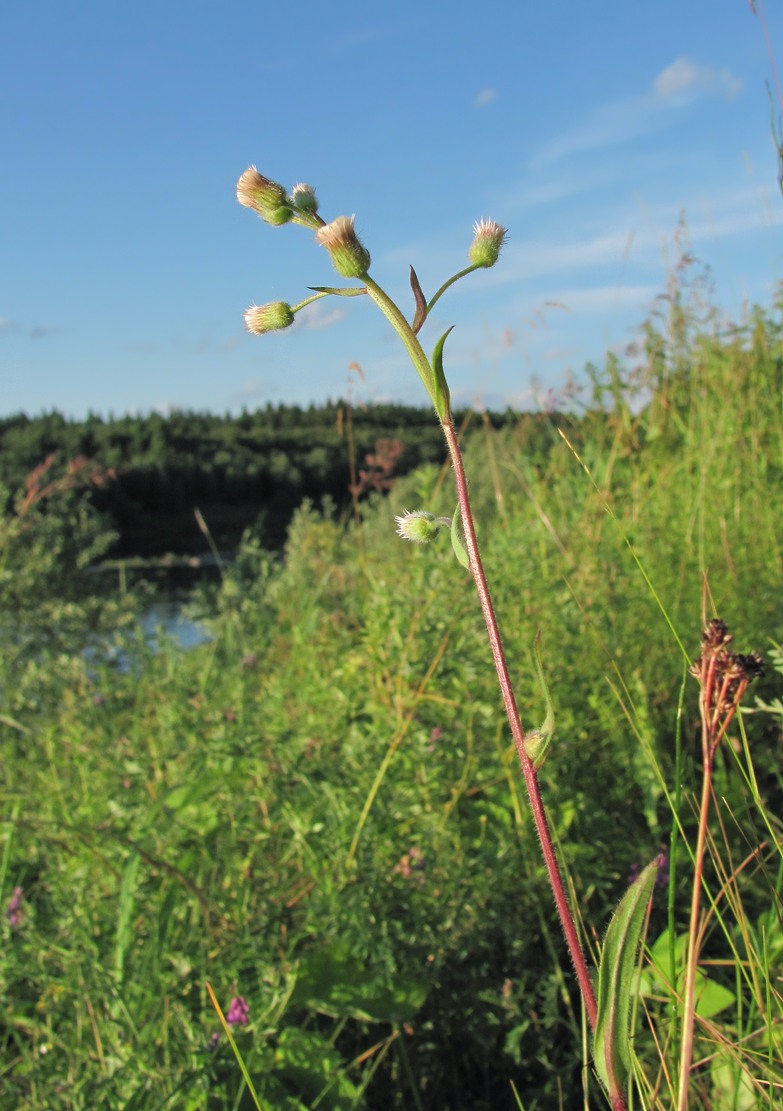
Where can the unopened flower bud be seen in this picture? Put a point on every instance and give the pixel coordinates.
(349, 257)
(273, 317)
(304, 198)
(419, 526)
(488, 238)
(265, 197)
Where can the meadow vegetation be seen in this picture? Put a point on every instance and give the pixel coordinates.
(320, 812)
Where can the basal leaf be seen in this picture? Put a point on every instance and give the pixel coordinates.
(616, 974)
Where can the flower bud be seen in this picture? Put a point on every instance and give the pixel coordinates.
(349, 257)
(304, 198)
(488, 238)
(419, 526)
(273, 317)
(265, 197)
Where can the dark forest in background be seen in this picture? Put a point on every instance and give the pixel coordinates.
(245, 471)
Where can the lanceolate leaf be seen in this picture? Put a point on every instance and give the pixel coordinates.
(616, 974)
(442, 399)
(458, 540)
(340, 291)
(421, 303)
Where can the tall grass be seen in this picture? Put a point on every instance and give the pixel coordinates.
(320, 812)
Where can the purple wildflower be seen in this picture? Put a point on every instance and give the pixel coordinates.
(435, 735)
(13, 911)
(238, 1013)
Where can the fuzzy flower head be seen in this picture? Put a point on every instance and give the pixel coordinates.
(349, 257)
(273, 317)
(304, 198)
(488, 238)
(265, 197)
(419, 526)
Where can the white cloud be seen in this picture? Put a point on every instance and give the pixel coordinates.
(316, 317)
(605, 127)
(606, 298)
(683, 79)
(624, 120)
(486, 96)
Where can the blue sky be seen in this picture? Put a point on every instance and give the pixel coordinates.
(586, 129)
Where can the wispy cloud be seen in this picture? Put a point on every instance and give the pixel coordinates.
(631, 236)
(683, 79)
(362, 36)
(206, 345)
(622, 121)
(316, 317)
(253, 391)
(33, 332)
(607, 298)
(485, 97)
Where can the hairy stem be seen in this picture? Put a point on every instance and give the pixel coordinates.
(509, 702)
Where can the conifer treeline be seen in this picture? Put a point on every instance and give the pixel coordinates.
(254, 468)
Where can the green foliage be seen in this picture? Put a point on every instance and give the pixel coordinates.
(50, 539)
(257, 467)
(616, 987)
(320, 809)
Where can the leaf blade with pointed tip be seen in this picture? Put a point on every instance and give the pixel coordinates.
(458, 540)
(611, 1043)
(344, 291)
(441, 387)
(421, 303)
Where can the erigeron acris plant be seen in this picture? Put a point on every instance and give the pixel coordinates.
(607, 1009)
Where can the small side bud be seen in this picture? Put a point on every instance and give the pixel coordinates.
(265, 197)
(349, 257)
(420, 526)
(304, 198)
(488, 238)
(536, 745)
(273, 317)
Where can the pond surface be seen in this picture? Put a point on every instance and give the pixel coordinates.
(167, 614)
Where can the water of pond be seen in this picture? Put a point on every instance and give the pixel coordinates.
(167, 614)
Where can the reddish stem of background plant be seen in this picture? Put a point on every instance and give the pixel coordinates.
(509, 701)
(713, 729)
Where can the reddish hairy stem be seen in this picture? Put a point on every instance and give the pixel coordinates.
(708, 726)
(509, 701)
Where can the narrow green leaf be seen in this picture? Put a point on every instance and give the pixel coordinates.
(441, 395)
(421, 303)
(344, 291)
(458, 540)
(611, 1045)
(123, 938)
(234, 1048)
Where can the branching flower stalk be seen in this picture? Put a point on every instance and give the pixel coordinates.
(352, 260)
(723, 677)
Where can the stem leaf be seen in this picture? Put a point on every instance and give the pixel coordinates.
(458, 540)
(421, 303)
(441, 389)
(340, 291)
(616, 973)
